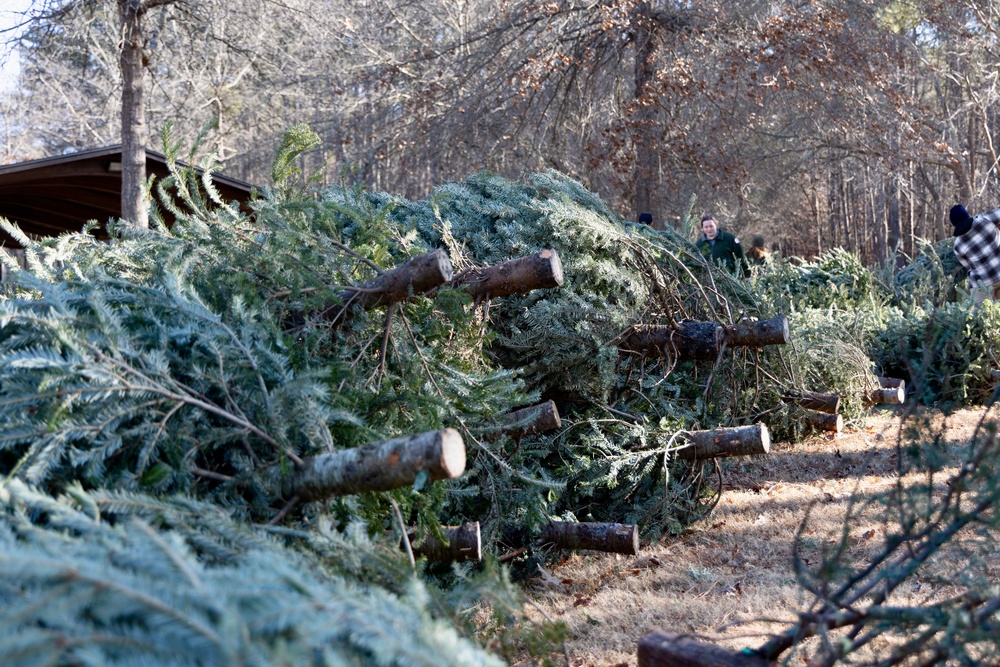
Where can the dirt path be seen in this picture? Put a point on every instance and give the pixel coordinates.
(735, 566)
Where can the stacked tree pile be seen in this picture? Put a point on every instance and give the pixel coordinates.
(321, 364)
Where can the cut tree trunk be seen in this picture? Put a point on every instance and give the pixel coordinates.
(669, 649)
(890, 396)
(828, 403)
(822, 421)
(379, 466)
(463, 544)
(687, 339)
(773, 331)
(528, 421)
(616, 538)
(541, 270)
(891, 383)
(417, 276)
(723, 442)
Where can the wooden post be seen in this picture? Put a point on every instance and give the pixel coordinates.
(723, 442)
(687, 339)
(528, 421)
(822, 421)
(379, 466)
(758, 333)
(463, 543)
(828, 403)
(616, 538)
(417, 276)
(516, 276)
(669, 649)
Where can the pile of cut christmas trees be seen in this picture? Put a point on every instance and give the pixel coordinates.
(218, 439)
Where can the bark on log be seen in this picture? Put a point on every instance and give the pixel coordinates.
(669, 649)
(463, 544)
(773, 331)
(417, 276)
(687, 339)
(722, 442)
(379, 466)
(891, 383)
(616, 538)
(828, 403)
(895, 396)
(822, 421)
(528, 421)
(516, 276)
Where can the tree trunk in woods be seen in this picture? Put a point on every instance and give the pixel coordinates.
(828, 403)
(723, 442)
(379, 466)
(822, 421)
(133, 132)
(686, 340)
(896, 396)
(541, 270)
(417, 276)
(669, 649)
(616, 538)
(528, 421)
(463, 543)
(773, 331)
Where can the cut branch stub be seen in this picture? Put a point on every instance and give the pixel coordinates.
(822, 421)
(891, 383)
(463, 543)
(828, 403)
(773, 331)
(541, 270)
(528, 421)
(616, 538)
(722, 442)
(379, 466)
(687, 339)
(417, 276)
(669, 649)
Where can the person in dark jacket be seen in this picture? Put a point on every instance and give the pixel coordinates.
(722, 247)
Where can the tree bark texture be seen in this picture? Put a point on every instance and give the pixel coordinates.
(379, 466)
(685, 340)
(723, 442)
(133, 131)
(541, 270)
(828, 403)
(891, 383)
(758, 333)
(417, 276)
(463, 544)
(662, 648)
(822, 421)
(616, 538)
(528, 421)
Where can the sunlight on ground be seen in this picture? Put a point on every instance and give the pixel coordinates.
(727, 576)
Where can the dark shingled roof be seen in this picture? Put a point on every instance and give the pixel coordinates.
(49, 196)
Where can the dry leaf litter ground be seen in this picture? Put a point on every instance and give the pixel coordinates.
(730, 577)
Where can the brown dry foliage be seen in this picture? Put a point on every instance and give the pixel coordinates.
(730, 578)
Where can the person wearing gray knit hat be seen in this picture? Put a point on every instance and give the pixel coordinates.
(977, 248)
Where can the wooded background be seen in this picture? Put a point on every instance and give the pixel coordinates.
(818, 124)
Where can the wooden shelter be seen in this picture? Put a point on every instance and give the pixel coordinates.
(57, 194)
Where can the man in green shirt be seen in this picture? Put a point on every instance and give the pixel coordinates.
(721, 247)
